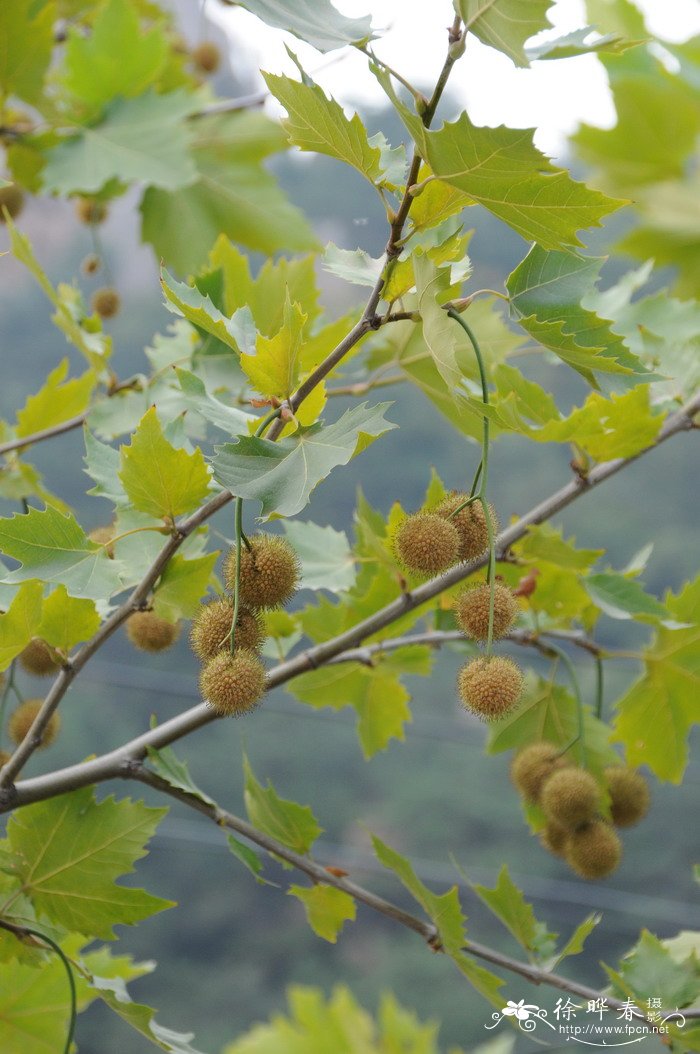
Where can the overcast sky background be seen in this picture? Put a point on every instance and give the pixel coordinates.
(554, 96)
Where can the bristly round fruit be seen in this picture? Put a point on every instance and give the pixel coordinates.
(594, 850)
(12, 199)
(22, 719)
(206, 57)
(490, 686)
(148, 632)
(629, 795)
(212, 625)
(570, 797)
(270, 572)
(554, 839)
(91, 264)
(90, 211)
(426, 544)
(470, 523)
(531, 766)
(37, 658)
(106, 302)
(472, 611)
(103, 536)
(233, 684)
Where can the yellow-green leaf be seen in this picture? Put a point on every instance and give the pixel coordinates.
(274, 369)
(57, 401)
(182, 586)
(20, 622)
(290, 823)
(327, 909)
(67, 620)
(505, 24)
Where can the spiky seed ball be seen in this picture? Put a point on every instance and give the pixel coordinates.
(22, 719)
(148, 632)
(470, 523)
(103, 536)
(91, 264)
(472, 611)
(206, 57)
(426, 544)
(531, 766)
(593, 850)
(212, 625)
(12, 199)
(270, 572)
(90, 211)
(106, 302)
(37, 658)
(554, 839)
(4, 758)
(490, 687)
(570, 797)
(233, 684)
(629, 795)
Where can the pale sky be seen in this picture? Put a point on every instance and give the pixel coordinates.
(554, 96)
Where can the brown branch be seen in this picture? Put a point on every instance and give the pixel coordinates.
(110, 765)
(45, 433)
(363, 387)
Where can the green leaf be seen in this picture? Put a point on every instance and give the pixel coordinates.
(315, 21)
(182, 586)
(34, 1007)
(102, 464)
(95, 346)
(355, 265)
(442, 334)
(26, 43)
(166, 764)
(326, 559)
(232, 196)
(142, 139)
(198, 309)
(577, 940)
(282, 475)
(544, 542)
(584, 41)
(20, 622)
(655, 716)
(318, 124)
(231, 419)
(68, 853)
(327, 909)
(113, 992)
(436, 202)
(119, 57)
(274, 369)
(620, 426)
(508, 904)
(67, 620)
(158, 478)
(57, 401)
(623, 598)
(54, 548)
(248, 857)
(443, 910)
(501, 169)
(649, 967)
(505, 24)
(546, 291)
(289, 823)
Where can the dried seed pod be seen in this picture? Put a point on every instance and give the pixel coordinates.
(212, 625)
(593, 850)
(426, 544)
(531, 766)
(570, 797)
(37, 658)
(472, 611)
(629, 795)
(490, 687)
(270, 572)
(233, 684)
(148, 632)
(22, 719)
(470, 523)
(106, 302)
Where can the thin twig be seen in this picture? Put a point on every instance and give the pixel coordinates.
(45, 433)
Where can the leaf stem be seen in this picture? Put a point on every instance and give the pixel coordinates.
(598, 686)
(20, 932)
(571, 670)
(237, 583)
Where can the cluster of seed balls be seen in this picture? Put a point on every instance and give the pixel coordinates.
(39, 660)
(570, 799)
(233, 684)
(429, 543)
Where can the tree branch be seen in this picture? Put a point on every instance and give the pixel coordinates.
(109, 766)
(45, 433)
(320, 874)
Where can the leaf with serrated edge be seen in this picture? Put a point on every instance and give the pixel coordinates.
(67, 620)
(57, 401)
(327, 909)
(158, 478)
(505, 24)
(282, 475)
(290, 823)
(182, 586)
(230, 419)
(198, 309)
(507, 902)
(623, 598)
(315, 21)
(274, 369)
(20, 622)
(168, 766)
(69, 852)
(326, 559)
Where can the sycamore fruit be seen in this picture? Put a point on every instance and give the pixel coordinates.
(593, 850)
(206, 57)
(470, 523)
(554, 839)
(90, 211)
(472, 611)
(490, 686)
(4, 758)
(426, 544)
(531, 766)
(270, 572)
(148, 632)
(12, 200)
(629, 795)
(233, 684)
(103, 536)
(22, 719)
(570, 797)
(211, 629)
(106, 302)
(91, 264)
(37, 658)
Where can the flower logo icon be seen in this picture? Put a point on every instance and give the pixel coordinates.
(519, 1010)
